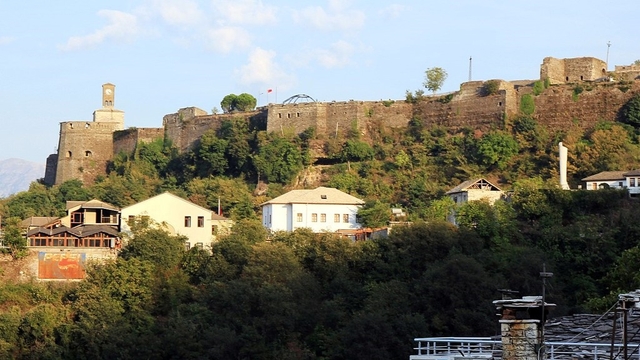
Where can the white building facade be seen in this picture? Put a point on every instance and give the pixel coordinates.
(175, 214)
(321, 210)
(629, 179)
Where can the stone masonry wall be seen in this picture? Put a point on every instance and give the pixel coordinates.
(519, 339)
(127, 140)
(50, 169)
(84, 150)
(557, 109)
(185, 127)
(627, 72)
(466, 108)
(562, 71)
(328, 118)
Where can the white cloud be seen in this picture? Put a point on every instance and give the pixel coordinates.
(6, 39)
(393, 10)
(179, 12)
(121, 27)
(262, 69)
(247, 12)
(337, 17)
(227, 38)
(338, 54)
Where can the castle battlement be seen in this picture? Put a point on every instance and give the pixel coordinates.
(86, 147)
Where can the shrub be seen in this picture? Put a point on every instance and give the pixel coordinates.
(527, 105)
(538, 88)
(630, 112)
(490, 87)
(446, 99)
(577, 90)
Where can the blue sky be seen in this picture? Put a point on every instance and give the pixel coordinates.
(163, 55)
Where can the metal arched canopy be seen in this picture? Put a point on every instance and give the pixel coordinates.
(294, 99)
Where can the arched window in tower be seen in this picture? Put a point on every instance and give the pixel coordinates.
(88, 153)
(70, 125)
(69, 154)
(87, 125)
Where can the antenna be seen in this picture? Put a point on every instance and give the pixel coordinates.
(470, 65)
(608, 46)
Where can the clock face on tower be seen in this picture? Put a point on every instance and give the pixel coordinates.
(107, 91)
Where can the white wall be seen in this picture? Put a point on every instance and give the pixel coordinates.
(172, 210)
(284, 217)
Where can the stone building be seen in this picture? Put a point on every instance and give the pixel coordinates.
(85, 147)
(563, 71)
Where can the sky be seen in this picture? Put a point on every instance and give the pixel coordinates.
(164, 55)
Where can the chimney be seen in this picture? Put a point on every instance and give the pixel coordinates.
(563, 166)
(521, 327)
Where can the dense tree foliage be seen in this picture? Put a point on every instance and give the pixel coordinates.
(242, 102)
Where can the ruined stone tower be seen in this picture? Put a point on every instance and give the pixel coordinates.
(85, 147)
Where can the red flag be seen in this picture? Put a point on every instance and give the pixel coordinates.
(270, 90)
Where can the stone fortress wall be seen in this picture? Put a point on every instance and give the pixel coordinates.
(185, 127)
(86, 147)
(127, 140)
(563, 71)
(329, 118)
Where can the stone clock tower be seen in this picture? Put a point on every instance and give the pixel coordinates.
(108, 113)
(108, 94)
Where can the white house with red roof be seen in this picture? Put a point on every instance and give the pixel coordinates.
(322, 210)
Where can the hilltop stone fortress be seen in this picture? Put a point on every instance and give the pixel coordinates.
(86, 147)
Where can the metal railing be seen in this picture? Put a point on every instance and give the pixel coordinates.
(456, 348)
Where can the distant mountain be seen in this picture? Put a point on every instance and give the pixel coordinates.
(17, 174)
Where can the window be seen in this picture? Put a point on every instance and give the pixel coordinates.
(299, 217)
(345, 218)
(87, 153)
(200, 221)
(324, 197)
(131, 220)
(314, 217)
(187, 246)
(336, 218)
(594, 186)
(200, 245)
(187, 221)
(214, 229)
(323, 217)
(620, 184)
(58, 242)
(632, 182)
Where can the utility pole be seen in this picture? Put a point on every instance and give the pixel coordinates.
(470, 64)
(544, 275)
(608, 46)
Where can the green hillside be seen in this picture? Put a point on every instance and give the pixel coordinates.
(309, 296)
